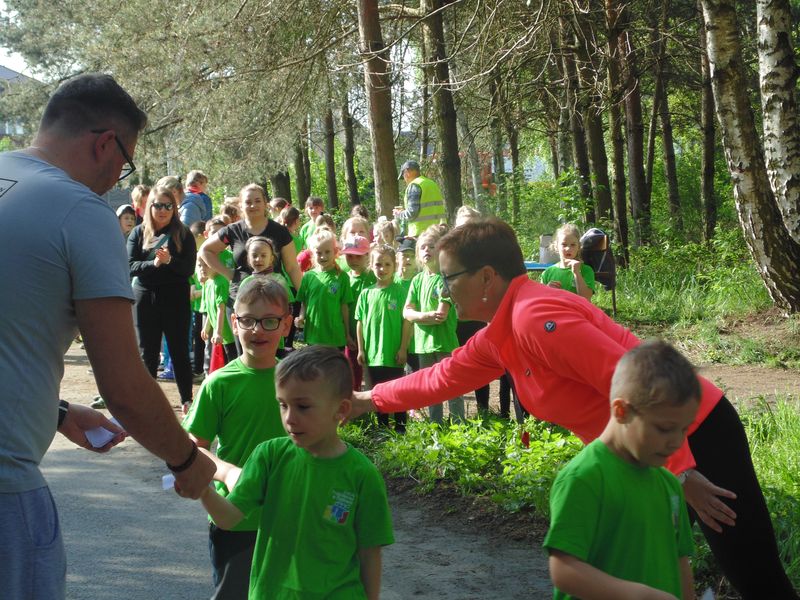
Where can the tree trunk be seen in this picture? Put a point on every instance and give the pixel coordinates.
(497, 144)
(306, 159)
(565, 151)
(378, 86)
(670, 166)
(349, 152)
(776, 254)
(640, 199)
(444, 109)
(425, 136)
(708, 125)
(516, 168)
(778, 78)
(615, 129)
(281, 185)
(301, 183)
(580, 153)
(330, 160)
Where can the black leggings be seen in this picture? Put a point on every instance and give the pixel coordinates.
(380, 375)
(165, 310)
(747, 553)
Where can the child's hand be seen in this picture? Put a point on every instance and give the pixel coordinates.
(554, 284)
(216, 339)
(438, 316)
(361, 360)
(204, 335)
(300, 322)
(574, 265)
(401, 357)
(351, 343)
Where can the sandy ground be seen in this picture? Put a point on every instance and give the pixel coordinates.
(126, 538)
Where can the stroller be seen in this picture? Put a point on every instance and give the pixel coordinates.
(596, 253)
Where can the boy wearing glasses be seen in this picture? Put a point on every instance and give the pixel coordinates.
(237, 406)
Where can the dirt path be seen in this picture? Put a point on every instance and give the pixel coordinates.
(126, 538)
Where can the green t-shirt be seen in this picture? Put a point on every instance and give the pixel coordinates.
(226, 258)
(237, 406)
(358, 283)
(298, 243)
(324, 293)
(215, 292)
(306, 231)
(380, 311)
(317, 514)
(194, 284)
(425, 294)
(628, 521)
(567, 279)
(406, 285)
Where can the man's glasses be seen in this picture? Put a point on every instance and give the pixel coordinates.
(162, 205)
(128, 167)
(446, 279)
(267, 323)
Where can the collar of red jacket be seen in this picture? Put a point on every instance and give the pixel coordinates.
(194, 190)
(499, 327)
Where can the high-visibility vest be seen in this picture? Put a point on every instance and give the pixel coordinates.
(431, 206)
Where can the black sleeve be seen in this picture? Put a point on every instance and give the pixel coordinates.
(136, 256)
(182, 263)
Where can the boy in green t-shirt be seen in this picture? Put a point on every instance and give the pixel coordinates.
(236, 406)
(619, 527)
(217, 327)
(325, 514)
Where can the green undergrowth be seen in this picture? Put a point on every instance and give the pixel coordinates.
(488, 458)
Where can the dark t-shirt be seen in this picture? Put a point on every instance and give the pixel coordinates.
(236, 235)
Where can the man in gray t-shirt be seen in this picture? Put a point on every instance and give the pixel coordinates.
(66, 269)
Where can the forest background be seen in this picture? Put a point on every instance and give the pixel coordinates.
(671, 124)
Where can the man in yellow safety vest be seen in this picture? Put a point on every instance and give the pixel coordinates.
(423, 201)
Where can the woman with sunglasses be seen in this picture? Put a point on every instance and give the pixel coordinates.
(162, 253)
(535, 334)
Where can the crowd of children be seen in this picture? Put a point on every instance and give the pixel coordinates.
(296, 512)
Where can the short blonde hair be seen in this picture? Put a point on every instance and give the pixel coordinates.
(196, 177)
(563, 231)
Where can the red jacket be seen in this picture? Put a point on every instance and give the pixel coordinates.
(561, 351)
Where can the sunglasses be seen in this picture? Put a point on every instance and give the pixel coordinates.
(162, 205)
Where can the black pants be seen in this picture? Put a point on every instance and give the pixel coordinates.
(747, 553)
(198, 345)
(165, 310)
(379, 375)
(464, 331)
(231, 557)
(507, 392)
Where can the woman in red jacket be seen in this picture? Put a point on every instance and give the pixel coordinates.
(561, 352)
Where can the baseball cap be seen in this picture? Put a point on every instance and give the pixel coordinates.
(409, 164)
(356, 244)
(125, 208)
(408, 244)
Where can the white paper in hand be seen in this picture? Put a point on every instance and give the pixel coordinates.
(100, 436)
(167, 481)
(707, 595)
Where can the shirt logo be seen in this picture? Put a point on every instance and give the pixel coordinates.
(392, 305)
(334, 288)
(340, 507)
(550, 326)
(5, 185)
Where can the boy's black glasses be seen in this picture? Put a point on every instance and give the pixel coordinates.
(267, 323)
(128, 167)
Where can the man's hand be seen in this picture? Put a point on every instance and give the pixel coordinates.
(191, 482)
(80, 419)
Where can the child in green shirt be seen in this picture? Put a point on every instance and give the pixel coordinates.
(356, 252)
(217, 327)
(325, 296)
(619, 527)
(236, 406)
(325, 515)
(383, 334)
(406, 270)
(570, 273)
(433, 318)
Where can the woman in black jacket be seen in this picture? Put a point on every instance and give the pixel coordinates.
(162, 253)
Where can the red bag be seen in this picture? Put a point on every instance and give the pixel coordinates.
(217, 357)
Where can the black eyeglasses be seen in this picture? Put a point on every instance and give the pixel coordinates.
(128, 167)
(162, 205)
(267, 323)
(446, 278)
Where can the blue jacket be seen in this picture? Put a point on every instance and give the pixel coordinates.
(193, 209)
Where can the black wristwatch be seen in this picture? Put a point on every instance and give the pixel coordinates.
(63, 407)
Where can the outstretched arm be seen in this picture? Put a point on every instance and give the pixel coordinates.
(224, 513)
(370, 559)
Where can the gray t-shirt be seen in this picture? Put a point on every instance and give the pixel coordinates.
(61, 242)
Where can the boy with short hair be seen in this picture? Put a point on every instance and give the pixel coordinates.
(236, 405)
(325, 514)
(314, 208)
(619, 526)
